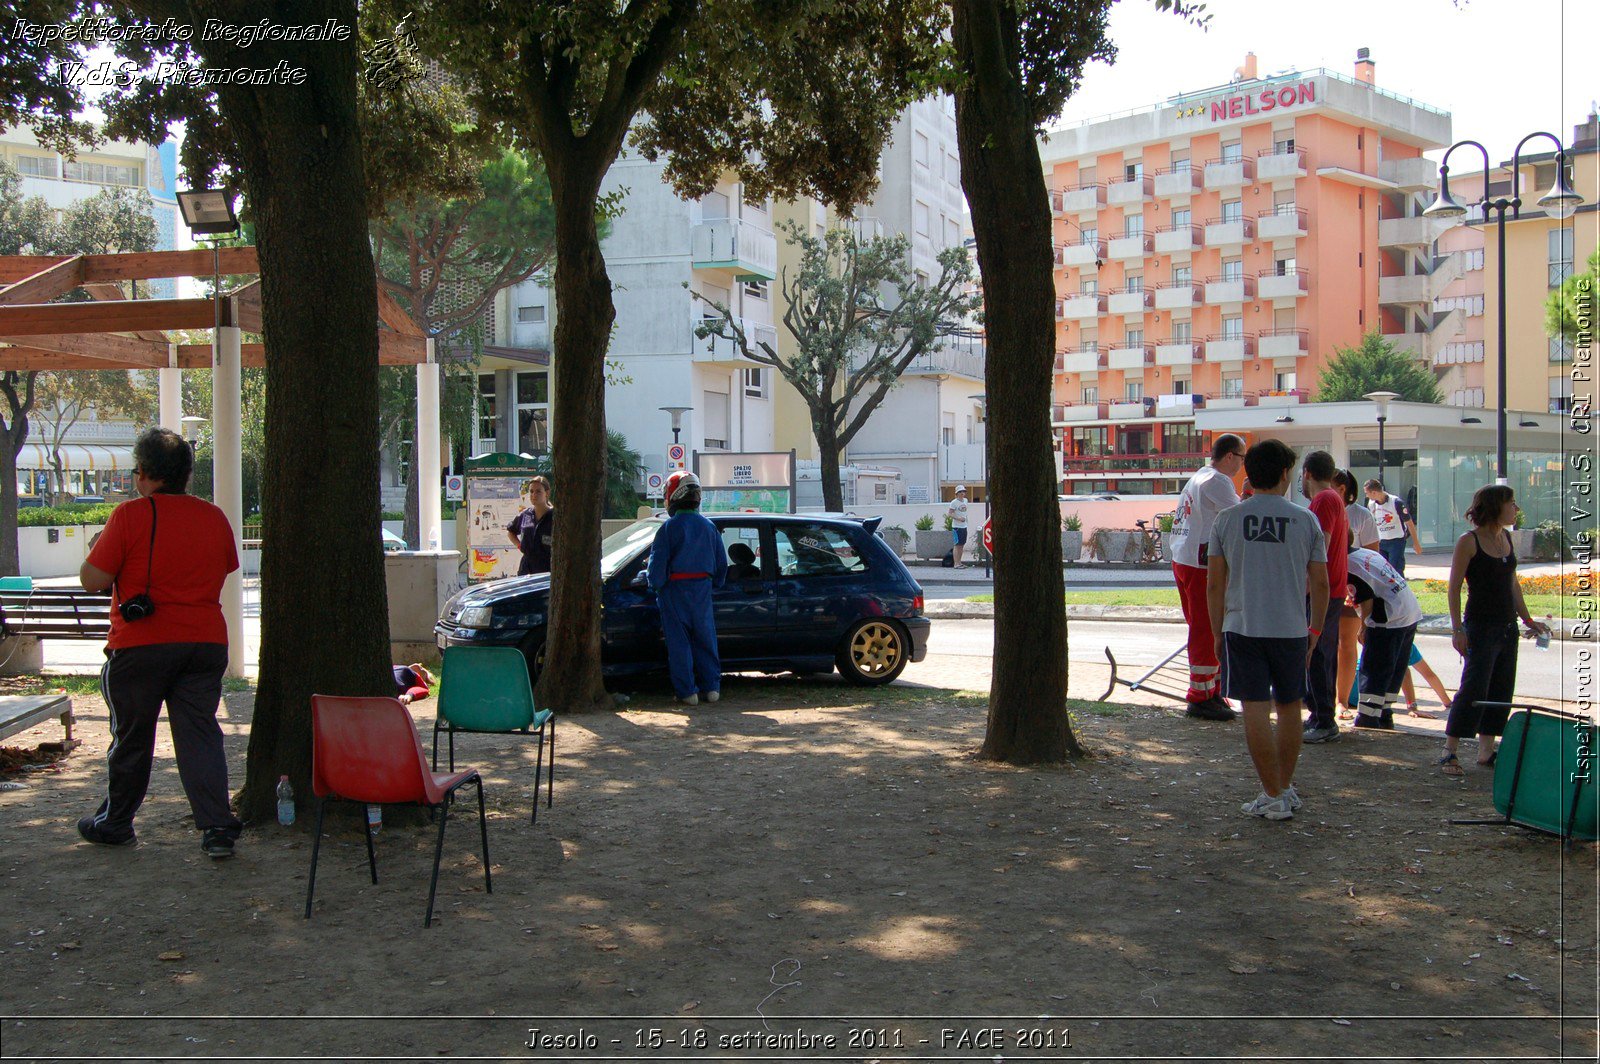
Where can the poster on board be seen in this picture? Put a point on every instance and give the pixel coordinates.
(748, 481)
(496, 491)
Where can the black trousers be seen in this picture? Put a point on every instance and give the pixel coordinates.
(1384, 661)
(135, 682)
(1489, 673)
(1322, 675)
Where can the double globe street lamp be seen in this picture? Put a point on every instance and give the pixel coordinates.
(1559, 203)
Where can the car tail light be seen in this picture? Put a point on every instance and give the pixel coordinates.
(916, 605)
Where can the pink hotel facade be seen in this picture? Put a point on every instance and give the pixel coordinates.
(1213, 250)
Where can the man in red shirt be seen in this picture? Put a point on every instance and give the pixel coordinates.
(164, 556)
(1327, 503)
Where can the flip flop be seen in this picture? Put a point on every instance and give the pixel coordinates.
(1450, 766)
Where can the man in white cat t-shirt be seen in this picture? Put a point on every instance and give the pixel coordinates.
(1207, 494)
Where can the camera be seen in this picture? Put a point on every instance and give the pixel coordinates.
(137, 608)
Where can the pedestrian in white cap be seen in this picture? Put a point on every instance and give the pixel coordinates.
(958, 523)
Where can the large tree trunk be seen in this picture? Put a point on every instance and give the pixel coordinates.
(324, 615)
(828, 455)
(571, 679)
(12, 435)
(1004, 182)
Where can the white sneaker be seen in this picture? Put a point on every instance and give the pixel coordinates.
(1278, 808)
(712, 696)
(691, 700)
(1253, 807)
(1294, 797)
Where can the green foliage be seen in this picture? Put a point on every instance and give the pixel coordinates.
(924, 523)
(1164, 523)
(1570, 310)
(949, 523)
(1072, 523)
(65, 514)
(23, 219)
(1375, 365)
(622, 498)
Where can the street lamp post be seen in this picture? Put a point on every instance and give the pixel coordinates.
(677, 413)
(1558, 203)
(1381, 400)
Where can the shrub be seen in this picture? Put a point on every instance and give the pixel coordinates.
(925, 523)
(1072, 523)
(65, 514)
(1164, 522)
(949, 522)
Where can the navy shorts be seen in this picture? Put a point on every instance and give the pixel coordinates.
(961, 536)
(1265, 670)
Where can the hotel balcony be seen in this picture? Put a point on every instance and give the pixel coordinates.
(1270, 284)
(1272, 164)
(1282, 343)
(1223, 232)
(1408, 232)
(1133, 301)
(1223, 173)
(1178, 181)
(1078, 200)
(1080, 307)
(748, 251)
(1177, 296)
(1410, 174)
(1175, 353)
(1133, 246)
(1179, 405)
(1229, 402)
(1281, 223)
(726, 349)
(1122, 411)
(1127, 193)
(1292, 397)
(1080, 412)
(1177, 238)
(1135, 357)
(1083, 360)
(956, 356)
(1230, 348)
(1086, 254)
(1229, 290)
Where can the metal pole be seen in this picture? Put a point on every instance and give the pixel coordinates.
(1500, 399)
(1381, 420)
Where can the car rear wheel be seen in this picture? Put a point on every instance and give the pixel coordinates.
(873, 652)
(533, 650)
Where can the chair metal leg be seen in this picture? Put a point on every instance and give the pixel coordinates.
(438, 852)
(551, 781)
(435, 761)
(538, 770)
(450, 737)
(366, 829)
(316, 846)
(483, 828)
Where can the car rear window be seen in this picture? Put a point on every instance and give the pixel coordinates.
(816, 550)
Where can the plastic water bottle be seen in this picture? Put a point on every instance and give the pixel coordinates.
(285, 801)
(374, 819)
(433, 539)
(1542, 640)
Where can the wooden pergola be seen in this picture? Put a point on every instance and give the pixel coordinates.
(111, 331)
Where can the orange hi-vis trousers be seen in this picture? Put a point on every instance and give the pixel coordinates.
(1203, 664)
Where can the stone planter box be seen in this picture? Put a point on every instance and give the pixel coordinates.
(1071, 545)
(1117, 544)
(899, 539)
(935, 543)
(1166, 547)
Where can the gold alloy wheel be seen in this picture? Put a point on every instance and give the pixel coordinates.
(876, 650)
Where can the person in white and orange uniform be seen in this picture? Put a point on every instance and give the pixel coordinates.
(1208, 493)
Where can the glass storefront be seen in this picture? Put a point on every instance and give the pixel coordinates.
(1450, 475)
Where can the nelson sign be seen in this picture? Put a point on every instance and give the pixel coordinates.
(1254, 103)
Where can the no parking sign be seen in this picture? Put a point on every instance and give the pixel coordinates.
(653, 484)
(675, 457)
(454, 486)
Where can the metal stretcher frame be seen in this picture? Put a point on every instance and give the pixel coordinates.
(1174, 668)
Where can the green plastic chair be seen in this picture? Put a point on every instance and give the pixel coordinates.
(486, 690)
(16, 583)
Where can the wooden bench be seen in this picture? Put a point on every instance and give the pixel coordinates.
(18, 713)
(55, 613)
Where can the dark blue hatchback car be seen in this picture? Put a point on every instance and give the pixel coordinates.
(804, 594)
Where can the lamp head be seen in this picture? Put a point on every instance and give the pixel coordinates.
(208, 212)
(1561, 200)
(1445, 206)
(677, 413)
(1382, 400)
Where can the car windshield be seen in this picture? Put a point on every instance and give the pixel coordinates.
(617, 549)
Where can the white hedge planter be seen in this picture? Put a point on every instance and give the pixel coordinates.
(934, 544)
(1071, 545)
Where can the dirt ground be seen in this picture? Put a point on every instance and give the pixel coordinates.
(806, 862)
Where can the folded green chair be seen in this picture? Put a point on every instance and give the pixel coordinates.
(486, 690)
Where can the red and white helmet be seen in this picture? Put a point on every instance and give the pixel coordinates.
(678, 485)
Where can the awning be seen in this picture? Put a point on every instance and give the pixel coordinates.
(105, 458)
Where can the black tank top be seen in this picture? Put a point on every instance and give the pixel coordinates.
(1489, 585)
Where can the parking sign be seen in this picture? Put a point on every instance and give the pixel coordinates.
(675, 457)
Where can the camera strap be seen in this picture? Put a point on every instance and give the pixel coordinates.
(149, 562)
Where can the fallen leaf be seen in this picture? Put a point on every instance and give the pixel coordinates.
(1243, 969)
(608, 948)
(171, 955)
(70, 945)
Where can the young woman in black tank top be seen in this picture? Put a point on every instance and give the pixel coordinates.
(1487, 638)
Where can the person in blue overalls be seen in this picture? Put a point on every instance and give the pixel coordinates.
(687, 561)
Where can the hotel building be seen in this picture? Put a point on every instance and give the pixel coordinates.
(1214, 249)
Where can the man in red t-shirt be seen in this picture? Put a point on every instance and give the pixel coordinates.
(1327, 503)
(170, 552)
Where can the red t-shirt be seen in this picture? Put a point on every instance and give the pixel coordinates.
(194, 553)
(1335, 522)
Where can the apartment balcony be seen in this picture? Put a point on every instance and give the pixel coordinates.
(1272, 164)
(1087, 254)
(957, 357)
(1134, 246)
(1177, 296)
(1292, 284)
(1082, 412)
(1229, 402)
(1133, 408)
(1128, 193)
(1292, 397)
(1128, 357)
(1177, 238)
(1083, 360)
(1103, 464)
(1178, 181)
(1282, 343)
(1229, 290)
(961, 461)
(1419, 289)
(1128, 301)
(866, 229)
(1283, 223)
(1414, 344)
(1175, 353)
(1179, 405)
(1080, 307)
(748, 251)
(1225, 174)
(1415, 232)
(1410, 174)
(1230, 348)
(1078, 200)
(1225, 232)
(727, 350)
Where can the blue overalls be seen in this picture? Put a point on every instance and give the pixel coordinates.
(687, 561)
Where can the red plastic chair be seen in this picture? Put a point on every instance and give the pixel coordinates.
(367, 750)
